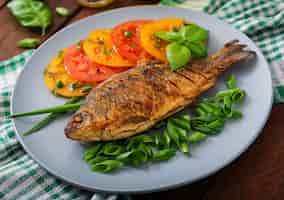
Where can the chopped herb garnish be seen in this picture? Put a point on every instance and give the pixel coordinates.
(127, 34)
(59, 84)
(60, 54)
(86, 88)
(107, 51)
(78, 44)
(28, 43)
(75, 86)
(100, 41)
(64, 12)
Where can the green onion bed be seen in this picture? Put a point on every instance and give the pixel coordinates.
(175, 134)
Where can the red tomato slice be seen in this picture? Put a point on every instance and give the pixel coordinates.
(81, 68)
(126, 39)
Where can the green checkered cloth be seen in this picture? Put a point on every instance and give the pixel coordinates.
(261, 20)
(22, 178)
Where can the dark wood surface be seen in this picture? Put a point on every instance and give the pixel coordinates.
(256, 174)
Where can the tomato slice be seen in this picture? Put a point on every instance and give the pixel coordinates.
(126, 39)
(80, 67)
(100, 49)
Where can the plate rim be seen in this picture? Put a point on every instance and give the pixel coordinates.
(161, 187)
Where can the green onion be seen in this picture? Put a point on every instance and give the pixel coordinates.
(164, 154)
(49, 118)
(124, 157)
(97, 159)
(184, 148)
(42, 123)
(174, 136)
(112, 149)
(231, 82)
(160, 124)
(28, 43)
(92, 152)
(196, 137)
(55, 109)
(107, 166)
(62, 11)
(181, 123)
(235, 114)
(86, 88)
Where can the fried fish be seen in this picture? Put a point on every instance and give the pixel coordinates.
(134, 101)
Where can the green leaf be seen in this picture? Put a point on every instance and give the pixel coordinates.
(28, 43)
(169, 36)
(177, 55)
(194, 33)
(164, 154)
(198, 49)
(31, 13)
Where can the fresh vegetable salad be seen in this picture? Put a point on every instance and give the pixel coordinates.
(105, 52)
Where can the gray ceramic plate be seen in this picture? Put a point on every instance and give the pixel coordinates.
(63, 157)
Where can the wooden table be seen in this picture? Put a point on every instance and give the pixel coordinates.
(257, 174)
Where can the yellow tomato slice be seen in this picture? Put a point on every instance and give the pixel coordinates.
(100, 49)
(149, 41)
(54, 72)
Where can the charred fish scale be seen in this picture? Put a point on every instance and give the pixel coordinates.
(133, 101)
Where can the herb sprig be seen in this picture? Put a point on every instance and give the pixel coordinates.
(188, 42)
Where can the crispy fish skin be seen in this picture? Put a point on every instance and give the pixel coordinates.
(132, 102)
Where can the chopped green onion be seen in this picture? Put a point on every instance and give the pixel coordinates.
(196, 137)
(28, 43)
(86, 88)
(59, 84)
(164, 154)
(127, 34)
(62, 11)
(107, 166)
(91, 152)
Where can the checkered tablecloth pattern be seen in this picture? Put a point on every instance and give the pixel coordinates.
(22, 178)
